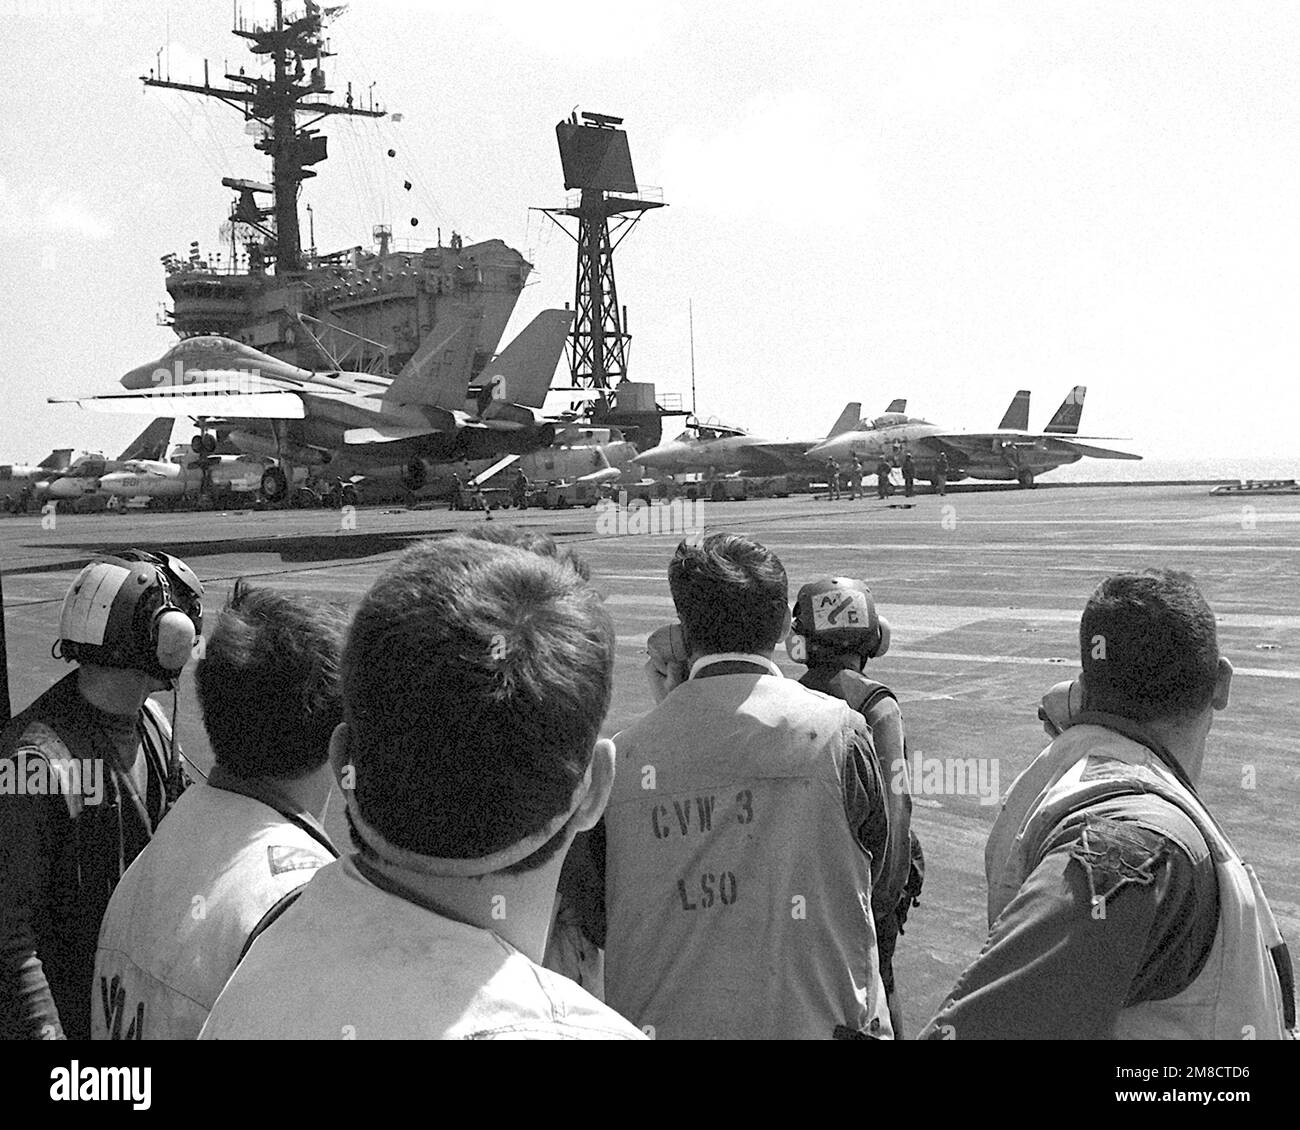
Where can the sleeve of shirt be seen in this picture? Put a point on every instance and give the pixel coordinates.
(27, 1008)
(864, 795)
(1116, 912)
(887, 737)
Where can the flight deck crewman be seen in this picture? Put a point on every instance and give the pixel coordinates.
(519, 490)
(741, 832)
(238, 842)
(883, 469)
(99, 771)
(475, 680)
(836, 631)
(1118, 907)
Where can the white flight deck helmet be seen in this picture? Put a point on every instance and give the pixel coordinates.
(135, 610)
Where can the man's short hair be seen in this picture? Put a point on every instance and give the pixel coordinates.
(268, 682)
(533, 541)
(731, 594)
(1149, 646)
(476, 677)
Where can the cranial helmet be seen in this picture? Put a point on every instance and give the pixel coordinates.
(834, 616)
(140, 611)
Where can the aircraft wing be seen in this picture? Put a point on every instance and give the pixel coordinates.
(981, 443)
(775, 457)
(182, 401)
(1097, 452)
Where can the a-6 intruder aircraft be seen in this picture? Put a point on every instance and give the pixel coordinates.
(716, 449)
(342, 423)
(1010, 452)
(185, 475)
(85, 470)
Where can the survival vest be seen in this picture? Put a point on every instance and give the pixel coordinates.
(1239, 992)
(738, 897)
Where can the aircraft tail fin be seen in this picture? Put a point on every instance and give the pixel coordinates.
(1066, 420)
(1016, 417)
(437, 374)
(899, 405)
(847, 420)
(522, 372)
(58, 460)
(152, 442)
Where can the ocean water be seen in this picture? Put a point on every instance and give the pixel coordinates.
(1116, 470)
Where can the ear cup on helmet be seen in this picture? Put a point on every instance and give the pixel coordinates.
(136, 610)
(174, 638)
(883, 645)
(1077, 697)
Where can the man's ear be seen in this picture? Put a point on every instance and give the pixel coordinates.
(340, 759)
(1222, 683)
(785, 623)
(599, 780)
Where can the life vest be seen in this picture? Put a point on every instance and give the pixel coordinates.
(182, 913)
(1238, 993)
(738, 897)
(351, 960)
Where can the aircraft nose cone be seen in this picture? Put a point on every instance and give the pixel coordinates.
(655, 457)
(151, 375)
(65, 488)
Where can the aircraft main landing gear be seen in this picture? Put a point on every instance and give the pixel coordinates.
(1026, 479)
(275, 484)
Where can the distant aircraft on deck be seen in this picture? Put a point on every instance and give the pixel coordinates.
(1010, 452)
(716, 449)
(334, 422)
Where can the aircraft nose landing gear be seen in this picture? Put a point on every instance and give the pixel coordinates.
(1026, 480)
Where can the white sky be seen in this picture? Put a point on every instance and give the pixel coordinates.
(944, 201)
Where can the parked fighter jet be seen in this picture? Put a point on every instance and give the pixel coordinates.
(581, 454)
(716, 449)
(342, 423)
(1009, 452)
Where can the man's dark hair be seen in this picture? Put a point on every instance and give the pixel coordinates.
(1149, 646)
(731, 594)
(476, 677)
(534, 542)
(268, 682)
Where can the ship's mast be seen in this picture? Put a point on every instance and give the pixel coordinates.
(276, 103)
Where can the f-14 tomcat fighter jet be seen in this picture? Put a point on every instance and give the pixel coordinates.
(1010, 452)
(716, 449)
(340, 422)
